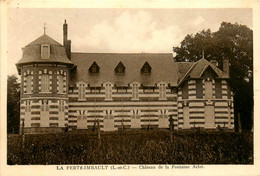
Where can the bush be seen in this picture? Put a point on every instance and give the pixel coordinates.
(132, 147)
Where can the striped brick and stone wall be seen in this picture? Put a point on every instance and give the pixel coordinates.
(195, 110)
(44, 111)
(121, 111)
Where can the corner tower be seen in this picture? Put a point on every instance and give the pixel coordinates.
(44, 70)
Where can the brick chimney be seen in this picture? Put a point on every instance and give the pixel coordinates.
(214, 62)
(226, 66)
(66, 42)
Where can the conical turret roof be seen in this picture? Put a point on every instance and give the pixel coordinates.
(32, 52)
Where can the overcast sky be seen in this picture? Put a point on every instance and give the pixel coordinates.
(115, 30)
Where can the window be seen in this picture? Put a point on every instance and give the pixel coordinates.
(29, 84)
(60, 85)
(94, 68)
(120, 68)
(61, 106)
(108, 91)
(162, 91)
(45, 83)
(45, 52)
(146, 68)
(218, 88)
(28, 106)
(135, 116)
(135, 92)
(208, 89)
(228, 92)
(185, 89)
(199, 88)
(44, 106)
(81, 93)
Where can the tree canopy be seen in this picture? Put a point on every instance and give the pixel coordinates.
(231, 41)
(13, 104)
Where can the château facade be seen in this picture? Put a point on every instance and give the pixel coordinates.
(63, 89)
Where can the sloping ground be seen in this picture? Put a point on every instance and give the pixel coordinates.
(133, 147)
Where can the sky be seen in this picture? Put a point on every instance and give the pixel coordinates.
(120, 30)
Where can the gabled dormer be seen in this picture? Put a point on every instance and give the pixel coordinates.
(120, 68)
(94, 68)
(146, 69)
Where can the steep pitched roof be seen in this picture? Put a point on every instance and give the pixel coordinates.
(183, 68)
(44, 39)
(198, 68)
(164, 68)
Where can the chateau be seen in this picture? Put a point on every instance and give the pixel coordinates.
(61, 89)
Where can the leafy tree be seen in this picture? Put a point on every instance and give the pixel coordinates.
(232, 41)
(13, 104)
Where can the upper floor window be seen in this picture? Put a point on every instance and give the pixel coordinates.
(120, 68)
(162, 91)
(81, 92)
(218, 88)
(208, 89)
(185, 90)
(45, 51)
(146, 68)
(199, 88)
(108, 91)
(45, 83)
(135, 91)
(60, 84)
(94, 68)
(29, 84)
(228, 92)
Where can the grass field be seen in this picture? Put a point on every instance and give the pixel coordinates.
(132, 147)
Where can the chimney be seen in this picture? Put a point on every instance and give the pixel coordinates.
(226, 66)
(66, 42)
(68, 49)
(65, 33)
(214, 62)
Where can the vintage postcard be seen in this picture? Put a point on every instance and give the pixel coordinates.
(129, 88)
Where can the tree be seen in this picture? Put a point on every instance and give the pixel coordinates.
(232, 41)
(13, 104)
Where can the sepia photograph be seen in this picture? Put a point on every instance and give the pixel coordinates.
(129, 88)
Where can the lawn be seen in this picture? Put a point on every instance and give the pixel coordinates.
(132, 147)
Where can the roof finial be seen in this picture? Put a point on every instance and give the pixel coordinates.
(44, 28)
(203, 54)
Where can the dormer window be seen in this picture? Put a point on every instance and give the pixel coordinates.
(94, 68)
(146, 69)
(120, 68)
(45, 51)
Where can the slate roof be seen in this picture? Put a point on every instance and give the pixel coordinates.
(32, 52)
(43, 40)
(195, 70)
(163, 68)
